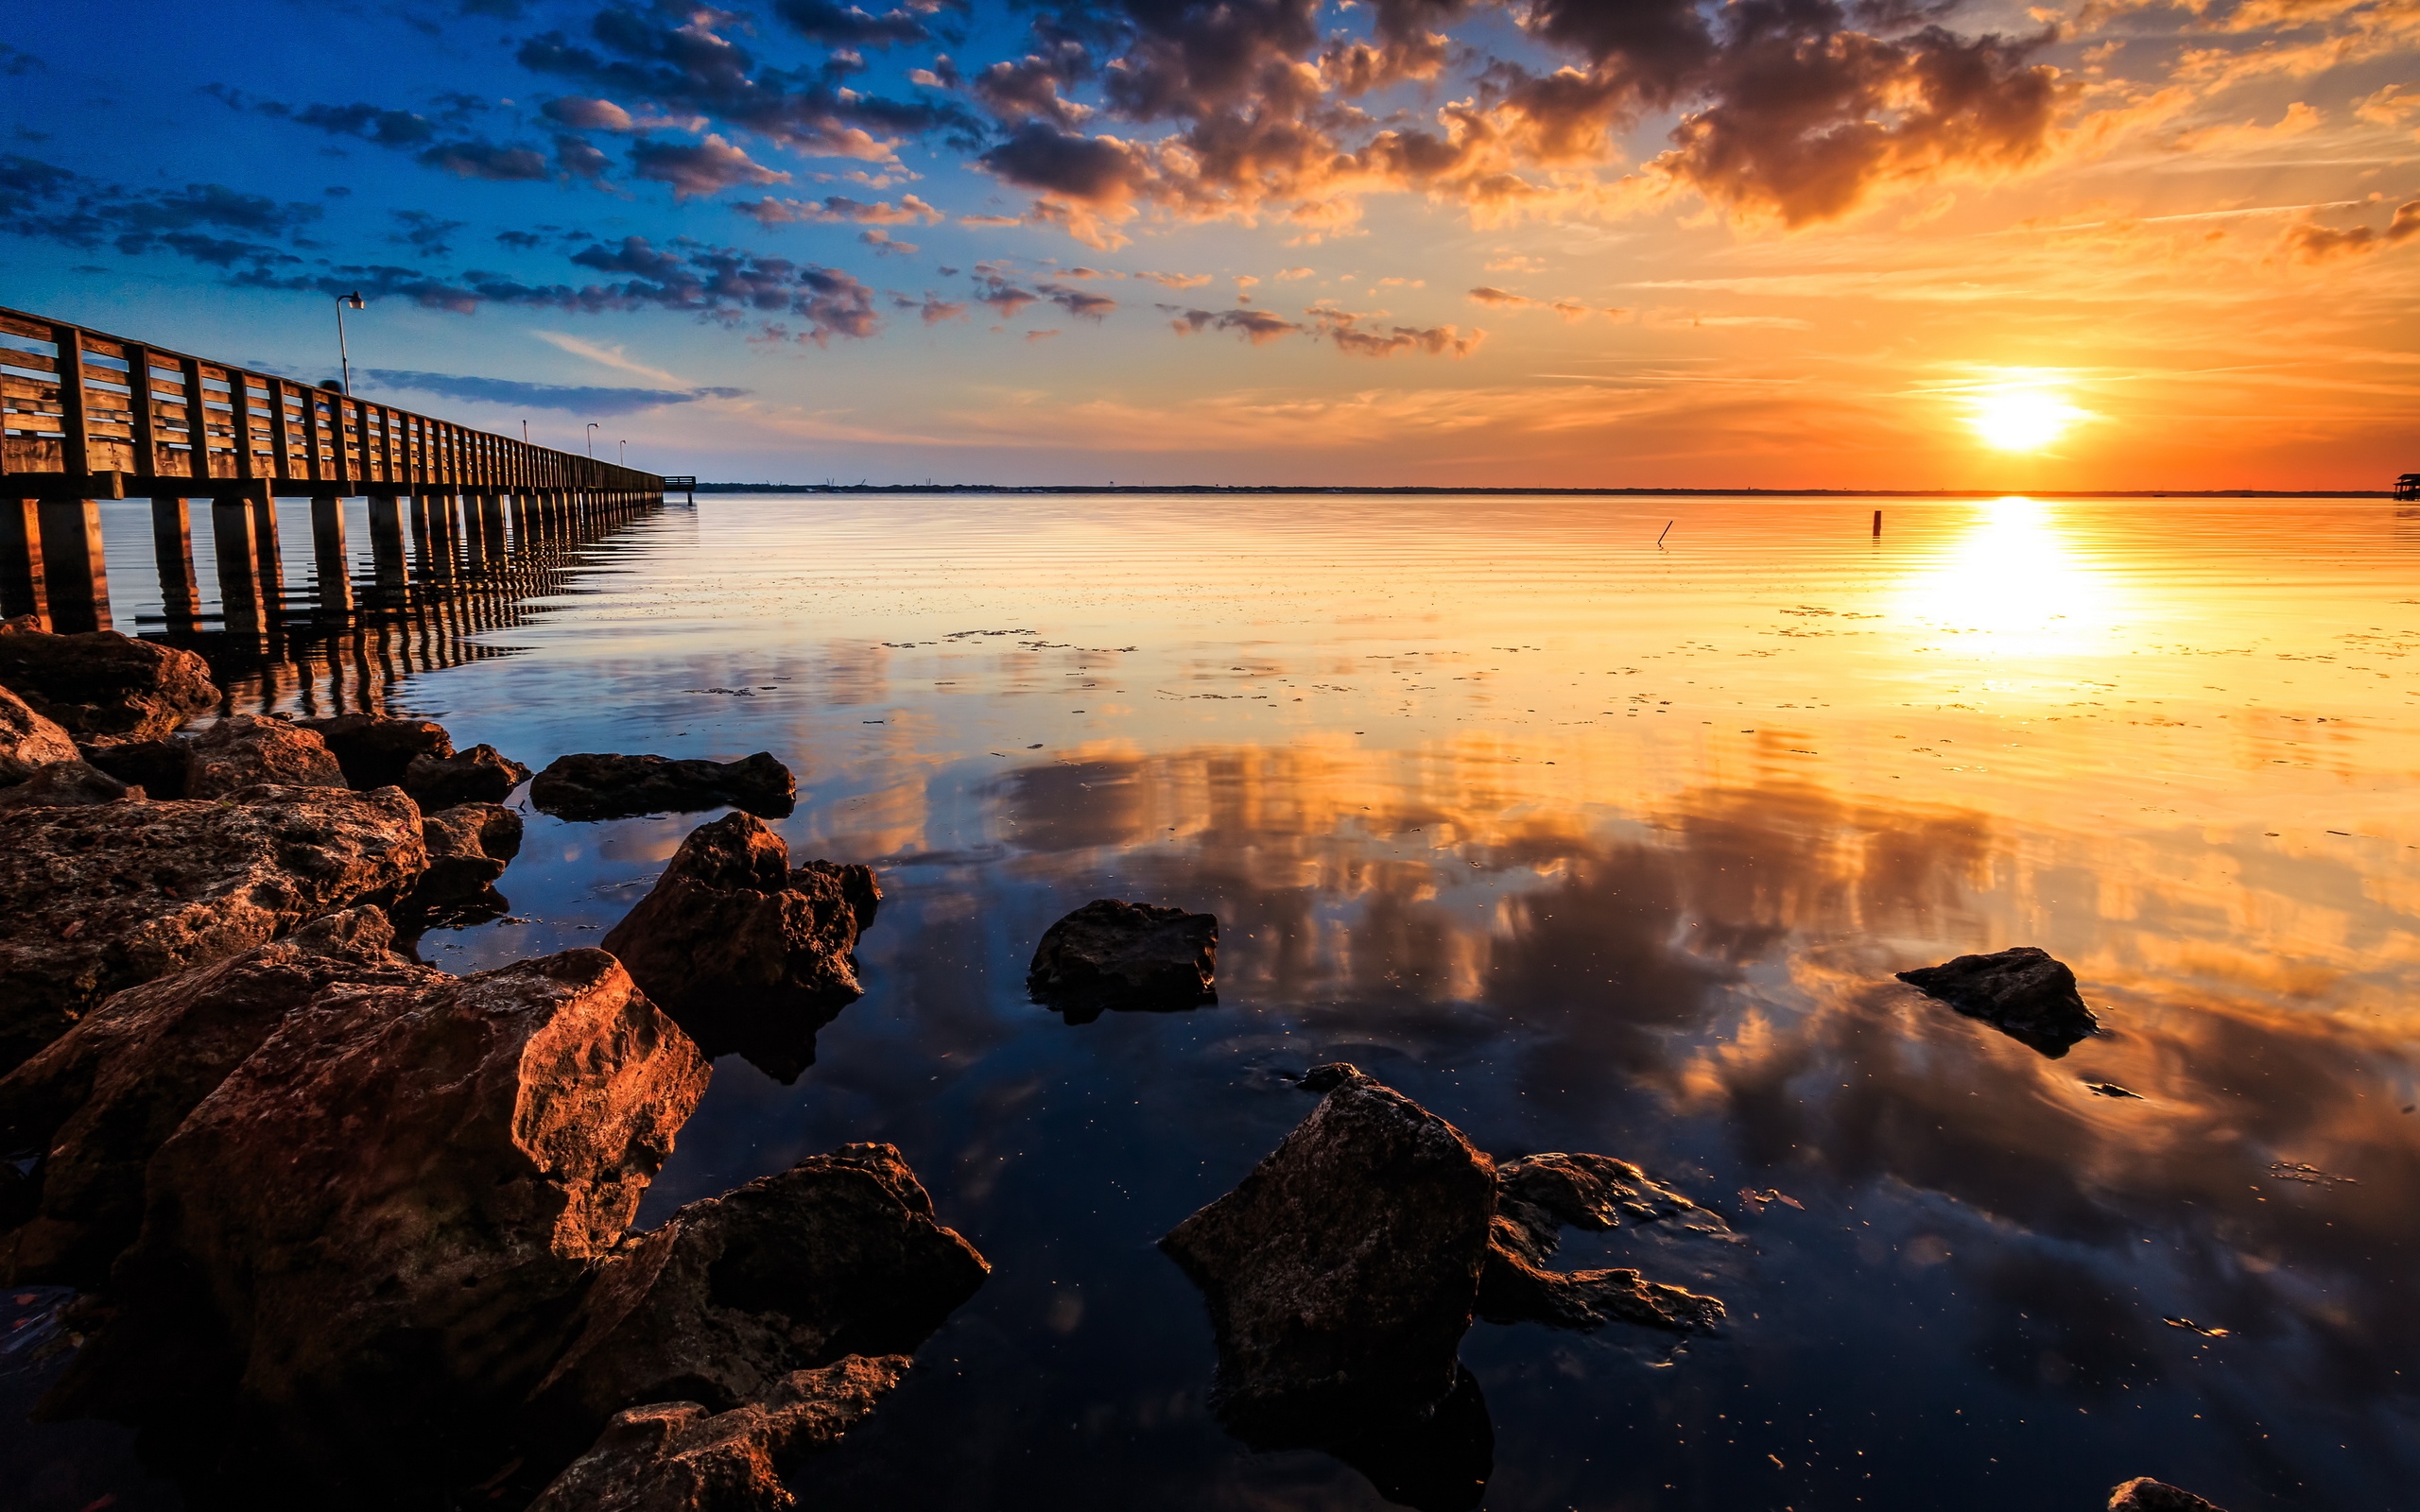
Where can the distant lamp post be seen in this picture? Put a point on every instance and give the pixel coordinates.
(624, 456)
(592, 438)
(344, 360)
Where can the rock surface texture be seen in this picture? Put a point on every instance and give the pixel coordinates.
(28, 741)
(2023, 992)
(245, 751)
(101, 686)
(837, 1255)
(1111, 955)
(374, 750)
(681, 1456)
(100, 898)
(1341, 1273)
(2143, 1494)
(68, 784)
(1537, 1196)
(479, 775)
(469, 846)
(594, 787)
(102, 1097)
(160, 767)
(747, 952)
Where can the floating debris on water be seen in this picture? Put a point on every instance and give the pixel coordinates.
(2192, 1327)
(1758, 1200)
(2110, 1088)
(2307, 1175)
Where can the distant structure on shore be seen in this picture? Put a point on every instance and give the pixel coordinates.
(2407, 486)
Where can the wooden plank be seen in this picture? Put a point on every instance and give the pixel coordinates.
(19, 325)
(75, 456)
(147, 439)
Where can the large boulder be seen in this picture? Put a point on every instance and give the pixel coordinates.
(370, 1238)
(838, 1255)
(2024, 992)
(747, 952)
(160, 767)
(246, 751)
(469, 846)
(99, 899)
(589, 785)
(2143, 1494)
(375, 750)
(1112, 955)
(28, 741)
(682, 1456)
(479, 775)
(102, 1097)
(101, 686)
(1341, 1273)
(68, 784)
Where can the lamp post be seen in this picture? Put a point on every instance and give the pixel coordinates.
(622, 458)
(344, 360)
(592, 438)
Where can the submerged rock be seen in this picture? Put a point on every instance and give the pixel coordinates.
(479, 775)
(1112, 955)
(101, 686)
(375, 750)
(597, 786)
(2023, 992)
(160, 767)
(245, 751)
(746, 951)
(1341, 1273)
(1515, 1289)
(100, 898)
(68, 784)
(102, 1097)
(1540, 1194)
(1537, 1196)
(681, 1456)
(838, 1255)
(469, 846)
(28, 741)
(2143, 1494)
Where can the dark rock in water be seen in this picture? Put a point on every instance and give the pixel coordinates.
(479, 775)
(469, 846)
(374, 750)
(102, 1097)
(1112, 955)
(68, 784)
(368, 1240)
(2023, 992)
(160, 767)
(838, 1255)
(245, 751)
(594, 787)
(28, 741)
(747, 952)
(99, 899)
(1341, 1272)
(1438, 1463)
(2143, 1494)
(101, 686)
(1514, 1289)
(1536, 1197)
(680, 1456)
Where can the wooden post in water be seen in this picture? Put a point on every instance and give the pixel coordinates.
(1877, 524)
(21, 574)
(492, 524)
(172, 547)
(239, 564)
(269, 559)
(79, 580)
(328, 557)
(387, 543)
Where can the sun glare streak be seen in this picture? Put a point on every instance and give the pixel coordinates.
(2017, 581)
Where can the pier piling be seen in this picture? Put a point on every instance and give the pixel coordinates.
(21, 577)
(76, 575)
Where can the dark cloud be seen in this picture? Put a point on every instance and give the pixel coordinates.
(16, 62)
(44, 200)
(476, 158)
(1096, 168)
(1258, 327)
(577, 158)
(2310, 242)
(582, 115)
(885, 245)
(1002, 295)
(932, 307)
(1030, 88)
(577, 400)
(1075, 302)
(429, 235)
(520, 241)
(839, 25)
(841, 209)
(695, 169)
(1346, 330)
(372, 122)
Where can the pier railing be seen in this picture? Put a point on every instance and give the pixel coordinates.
(86, 416)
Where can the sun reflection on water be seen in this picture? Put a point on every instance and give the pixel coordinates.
(2021, 578)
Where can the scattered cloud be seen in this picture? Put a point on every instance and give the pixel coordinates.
(695, 169)
(838, 209)
(883, 244)
(1259, 327)
(2310, 242)
(573, 398)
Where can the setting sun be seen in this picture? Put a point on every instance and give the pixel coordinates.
(2021, 420)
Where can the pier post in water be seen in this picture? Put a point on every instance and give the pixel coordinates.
(21, 574)
(172, 547)
(387, 541)
(1877, 523)
(77, 577)
(239, 571)
(327, 555)
(269, 559)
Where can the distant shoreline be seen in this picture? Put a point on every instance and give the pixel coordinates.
(1515, 493)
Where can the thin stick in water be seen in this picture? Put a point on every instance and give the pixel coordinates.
(1667, 531)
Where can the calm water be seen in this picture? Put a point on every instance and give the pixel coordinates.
(1587, 844)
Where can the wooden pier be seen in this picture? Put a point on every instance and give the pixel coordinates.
(90, 417)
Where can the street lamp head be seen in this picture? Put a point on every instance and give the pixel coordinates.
(352, 300)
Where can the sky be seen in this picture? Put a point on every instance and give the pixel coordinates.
(1554, 243)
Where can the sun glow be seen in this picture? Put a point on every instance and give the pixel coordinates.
(2021, 420)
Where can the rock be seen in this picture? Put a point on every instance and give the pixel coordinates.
(369, 1239)
(375, 750)
(1341, 1273)
(838, 1255)
(2022, 992)
(1112, 955)
(469, 846)
(100, 898)
(28, 741)
(160, 767)
(594, 787)
(679, 1456)
(101, 686)
(245, 751)
(1538, 1195)
(479, 775)
(1514, 1289)
(746, 951)
(2143, 1494)
(68, 784)
(102, 1097)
